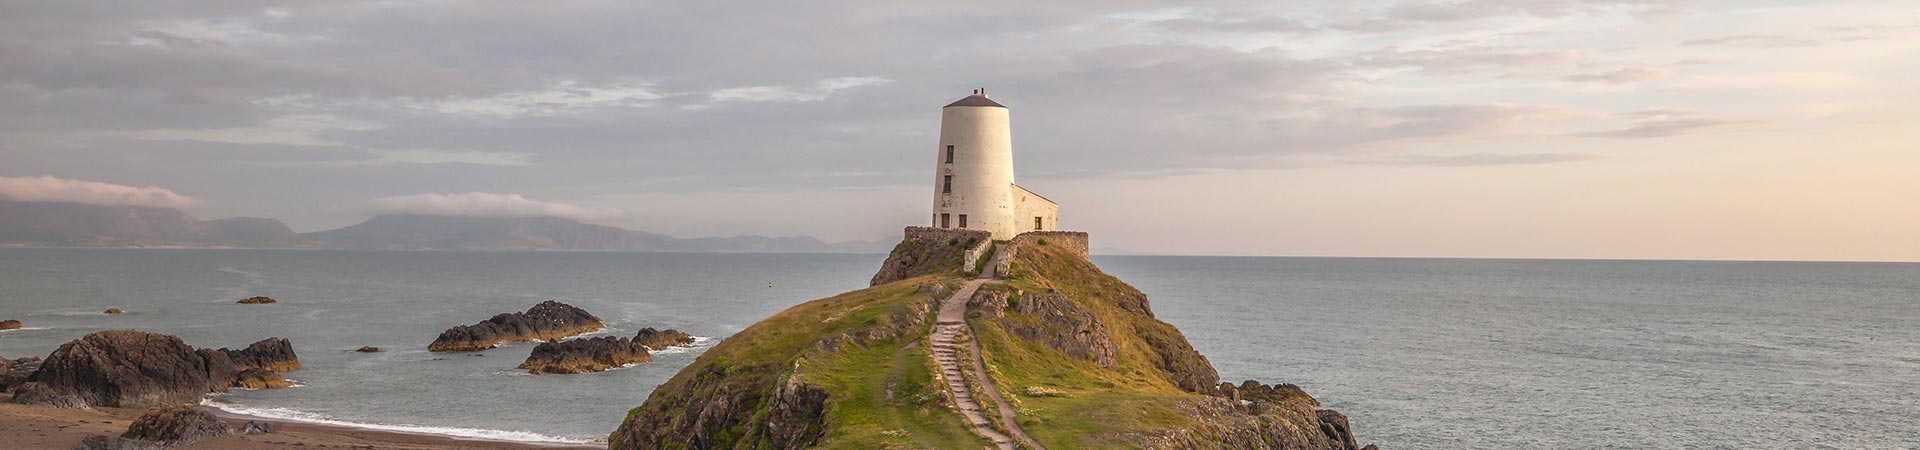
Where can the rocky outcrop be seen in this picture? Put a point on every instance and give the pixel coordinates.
(1080, 342)
(10, 324)
(257, 301)
(257, 378)
(128, 368)
(368, 349)
(1049, 319)
(549, 320)
(585, 355)
(113, 311)
(275, 354)
(162, 428)
(15, 372)
(660, 340)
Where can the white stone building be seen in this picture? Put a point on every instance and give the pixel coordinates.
(973, 174)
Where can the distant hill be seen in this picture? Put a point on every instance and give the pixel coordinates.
(419, 232)
(81, 225)
(75, 224)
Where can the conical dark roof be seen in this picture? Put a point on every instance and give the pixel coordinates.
(976, 100)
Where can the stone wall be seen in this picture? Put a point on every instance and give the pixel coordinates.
(928, 250)
(944, 234)
(1074, 241)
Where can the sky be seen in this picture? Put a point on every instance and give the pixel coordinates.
(1633, 129)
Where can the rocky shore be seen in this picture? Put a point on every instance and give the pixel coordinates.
(129, 368)
(31, 427)
(549, 320)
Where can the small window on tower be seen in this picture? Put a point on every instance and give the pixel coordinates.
(949, 154)
(1036, 223)
(943, 219)
(963, 221)
(946, 185)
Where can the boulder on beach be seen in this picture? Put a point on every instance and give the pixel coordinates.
(130, 368)
(257, 301)
(165, 427)
(585, 355)
(10, 324)
(549, 320)
(254, 428)
(15, 372)
(37, 394)
(660, 340)
(114, 311)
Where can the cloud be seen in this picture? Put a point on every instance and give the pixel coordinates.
(1623, 76)
(1478, 159)
(46, 188)
(1661, 122)
(1752, 40)
(818, 91)
(482, 204)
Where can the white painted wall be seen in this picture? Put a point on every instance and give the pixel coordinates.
(1028, 205)
(982, 170)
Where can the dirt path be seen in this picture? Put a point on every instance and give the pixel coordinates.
(949, 327)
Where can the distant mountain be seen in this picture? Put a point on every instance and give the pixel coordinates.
(81, 225)
(75, 224)
(419, 232)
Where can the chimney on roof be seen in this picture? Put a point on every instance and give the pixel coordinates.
(983, 92)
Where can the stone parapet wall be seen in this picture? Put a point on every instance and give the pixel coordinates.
(942, 234)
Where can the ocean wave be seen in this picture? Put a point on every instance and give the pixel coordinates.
(699, 343)
(460, 432)
(25, 329)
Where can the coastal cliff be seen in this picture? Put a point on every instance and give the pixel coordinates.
(1077, 355)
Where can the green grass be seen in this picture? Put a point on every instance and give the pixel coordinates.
(860, 415)
(1097, 404)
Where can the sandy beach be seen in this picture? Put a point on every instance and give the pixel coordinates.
(35, 428)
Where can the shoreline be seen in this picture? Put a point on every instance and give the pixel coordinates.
(53, 428)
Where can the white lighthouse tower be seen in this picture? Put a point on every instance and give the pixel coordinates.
(973, 174)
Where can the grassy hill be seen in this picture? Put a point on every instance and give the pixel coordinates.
(1075, 351)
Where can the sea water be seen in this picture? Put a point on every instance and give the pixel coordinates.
(1419, 353)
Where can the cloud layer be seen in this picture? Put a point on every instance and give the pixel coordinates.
(482, 204)
(46, 188)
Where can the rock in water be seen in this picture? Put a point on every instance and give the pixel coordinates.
(585, 355)
(549, 320)
(257, 301)
(660, 340)
(36, 394)
(114, 311)
(258, 378)
(368, 349)
(10, 324)
(275, 354)
(129, 368)
(174, 426)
